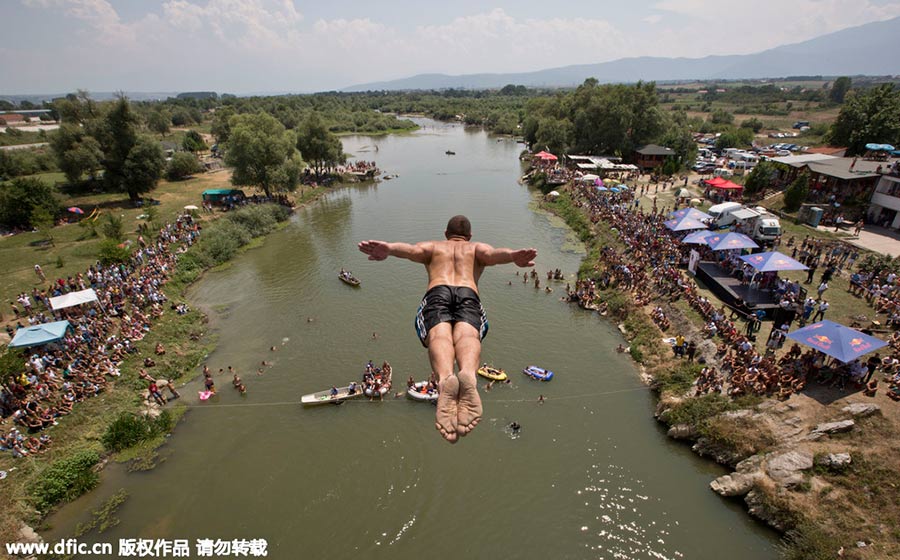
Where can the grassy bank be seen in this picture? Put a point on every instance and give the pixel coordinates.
(82, 441)
(829, 509)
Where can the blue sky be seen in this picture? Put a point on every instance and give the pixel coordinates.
(244, 46)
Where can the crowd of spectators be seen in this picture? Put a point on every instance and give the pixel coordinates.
(58, 375)
(651, 264)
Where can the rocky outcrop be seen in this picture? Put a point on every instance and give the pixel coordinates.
(861, 410)
(719, 453)
(682, 431)
(835, 460)
(734, 484)
(831, 428)
(786, 469)
(759, 507)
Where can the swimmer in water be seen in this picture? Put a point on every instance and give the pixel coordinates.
(515, 427)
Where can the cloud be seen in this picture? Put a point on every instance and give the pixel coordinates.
(99, 15)
(653, 19)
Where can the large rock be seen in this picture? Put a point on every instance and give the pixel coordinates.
(28, 535)
(682, 431)
(831, 428)
(835, 460)
(734, 484)
(861, 410)
(786, 468)
(759, 507)
(719, 453)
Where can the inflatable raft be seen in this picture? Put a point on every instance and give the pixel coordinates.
(495, 374)
(416, 394)
(538, 373)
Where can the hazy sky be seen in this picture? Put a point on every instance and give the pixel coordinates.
(244, 46)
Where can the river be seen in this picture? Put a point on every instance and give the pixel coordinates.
(589, 475)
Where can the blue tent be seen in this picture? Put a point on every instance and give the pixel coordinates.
(839, 342)
(773, 261)
(731, 240)
(880, 147)
(39, 334)
(697, 237)
(692, 212)
(601, 188)
(684, 224)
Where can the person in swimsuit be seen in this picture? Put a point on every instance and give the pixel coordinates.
(451, 321)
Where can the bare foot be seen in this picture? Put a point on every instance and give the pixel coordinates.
(469, 410)
(445, 417)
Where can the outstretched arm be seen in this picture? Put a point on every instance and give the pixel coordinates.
(489, 256)
(380, 250)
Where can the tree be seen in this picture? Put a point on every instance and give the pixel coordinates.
(143, 167)
(796, 193)
(118, 138)
(839, 89)
(869, 116)
(760, 178)
(258, 147)
(753, 124)
(113, 228)
(20, 197)
(721, 116)
(318, 146)
(43, 221)
(182, 165)
(553, 135)
(158, 122)
(76, 152)
(193, 142)
(221, 128)
(735, 138)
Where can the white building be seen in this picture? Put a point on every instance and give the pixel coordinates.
(885, 207)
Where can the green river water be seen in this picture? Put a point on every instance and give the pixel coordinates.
(590, 475)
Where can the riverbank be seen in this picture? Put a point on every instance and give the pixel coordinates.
(792, 472)
(35, 484)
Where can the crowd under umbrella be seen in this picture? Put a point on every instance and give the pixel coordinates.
(545, 156)
(731, 240)
(692, 212)
(838, 341)
(697, 237)
(773, 261)
(685, 223)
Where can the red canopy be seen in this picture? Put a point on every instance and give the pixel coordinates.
(545, 156)
(722, 184)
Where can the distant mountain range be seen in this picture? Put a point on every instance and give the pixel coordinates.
(869, 49)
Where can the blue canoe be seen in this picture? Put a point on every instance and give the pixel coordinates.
(538, 373)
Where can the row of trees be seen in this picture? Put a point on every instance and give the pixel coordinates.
(105, 143)
(606, 119)
(871, 115)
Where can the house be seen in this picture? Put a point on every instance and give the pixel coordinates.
(842, 180)
(885, 207)
(651, 156)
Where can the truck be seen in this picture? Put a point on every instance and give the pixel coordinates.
(758, 223)
(765, 226)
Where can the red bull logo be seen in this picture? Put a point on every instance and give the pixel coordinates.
(820, 341)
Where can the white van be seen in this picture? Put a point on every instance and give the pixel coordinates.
(719, 210)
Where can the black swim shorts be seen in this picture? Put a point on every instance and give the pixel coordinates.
(449, 304)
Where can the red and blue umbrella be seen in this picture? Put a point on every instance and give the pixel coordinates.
(773, 261)
(840, 342)
(684, 224)
(731, 240)
(692, 212)
(75, 210)
(697, 237)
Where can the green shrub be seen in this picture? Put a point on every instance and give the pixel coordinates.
(695, 410)
(65, 480)
(130, 429)
(679, 379)
(127, 430)
(110, 252)
(808, 542)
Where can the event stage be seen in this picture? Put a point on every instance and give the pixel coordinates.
(729, 289)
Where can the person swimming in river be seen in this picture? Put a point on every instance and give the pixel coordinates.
(451, 321)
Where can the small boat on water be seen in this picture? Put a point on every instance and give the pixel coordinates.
(417, 392)
(538, 373)
(450, 153)
(330, 397)
(347, 278)
(382, 391)
(495, 374)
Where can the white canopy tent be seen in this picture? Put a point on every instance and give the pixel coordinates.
(589, 178)
(73, 298)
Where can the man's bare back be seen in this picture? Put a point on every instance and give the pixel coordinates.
(451, 321)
